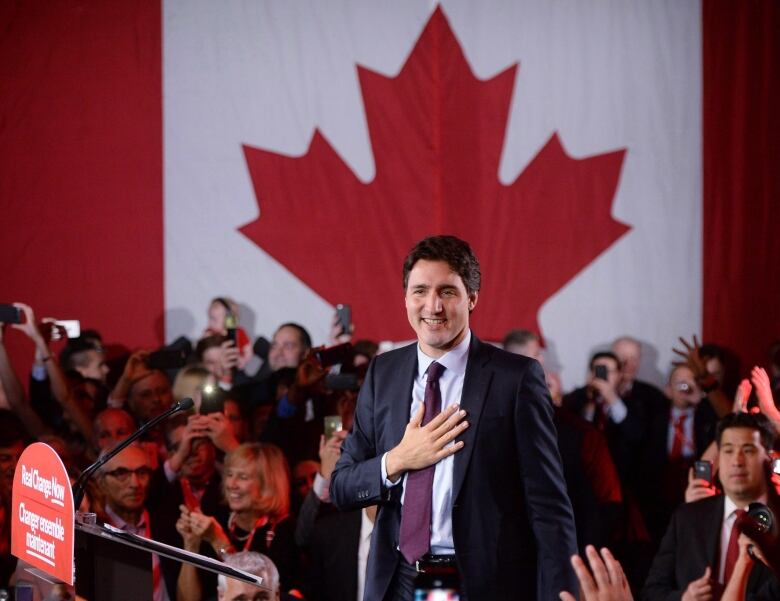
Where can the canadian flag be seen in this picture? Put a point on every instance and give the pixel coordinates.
(614, 165)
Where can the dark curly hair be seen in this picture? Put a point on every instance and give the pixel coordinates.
(454, 251)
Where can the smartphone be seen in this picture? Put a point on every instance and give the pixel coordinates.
(231, 325)
(212, 400)
(70, 327)
(703, 470)
(344, 315)
(10, 314)
(167, 359)
(600, 372)
(332, 424)
(436, 587)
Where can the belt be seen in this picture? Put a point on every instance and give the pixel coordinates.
(436, 564)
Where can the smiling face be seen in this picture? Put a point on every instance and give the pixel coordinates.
(438, 306)
(242, 486)
(742, 461)
(287, 348)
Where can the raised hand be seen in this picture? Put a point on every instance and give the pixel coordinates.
(742, 396)
(698, 488)
(763, 388)
(608, 581)
(330, 451)
(691, 357)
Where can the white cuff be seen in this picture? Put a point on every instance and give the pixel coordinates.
(617, 411)
(322, 488)
(388, 483)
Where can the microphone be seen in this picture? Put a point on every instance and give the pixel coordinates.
(79, 485)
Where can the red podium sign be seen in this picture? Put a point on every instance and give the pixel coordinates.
(42, 513)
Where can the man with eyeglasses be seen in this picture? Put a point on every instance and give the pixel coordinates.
(125, 483)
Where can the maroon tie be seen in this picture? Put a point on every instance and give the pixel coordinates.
(732, 551)
(415, 538)
(678, 442)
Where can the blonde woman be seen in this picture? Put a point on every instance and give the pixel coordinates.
(256, 485)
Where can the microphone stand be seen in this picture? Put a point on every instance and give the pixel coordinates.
(79, 485)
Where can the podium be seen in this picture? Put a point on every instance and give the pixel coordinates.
(112, 564)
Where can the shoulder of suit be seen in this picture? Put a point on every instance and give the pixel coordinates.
(399, 354)
(502, 358)
(709, 506)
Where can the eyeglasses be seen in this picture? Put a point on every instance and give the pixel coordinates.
(123, 474)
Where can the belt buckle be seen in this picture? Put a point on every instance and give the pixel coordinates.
(418, 567)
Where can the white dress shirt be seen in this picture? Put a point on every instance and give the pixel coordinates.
(366, 528)
(451, 387)
(688, 449)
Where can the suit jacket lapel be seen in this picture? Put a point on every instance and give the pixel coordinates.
(401, 395)
(475, 386)
(712, 535)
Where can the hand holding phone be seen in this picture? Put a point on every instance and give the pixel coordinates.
(10, 314)
(332, 424)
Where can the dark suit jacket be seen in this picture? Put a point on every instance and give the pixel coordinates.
(625, 439)
(332, 544)
(691, 543)
(512, 521)
(661, 488)
(164, 511)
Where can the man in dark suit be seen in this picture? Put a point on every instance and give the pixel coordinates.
(678, 434)
(477, 488)
(700, 549)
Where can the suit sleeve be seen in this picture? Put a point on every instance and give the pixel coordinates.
(549, 508)
(661, 582)
(357, 480)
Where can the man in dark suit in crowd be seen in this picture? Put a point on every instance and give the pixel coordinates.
(700, 548)
(629, 352)
(678, 434)
(336, 542)
(623, 421)
(476, 488)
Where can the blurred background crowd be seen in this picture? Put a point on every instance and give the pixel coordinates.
(248, 468)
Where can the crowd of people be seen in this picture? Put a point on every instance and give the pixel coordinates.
(659, 477)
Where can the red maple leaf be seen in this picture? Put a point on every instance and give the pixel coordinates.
(436, 133)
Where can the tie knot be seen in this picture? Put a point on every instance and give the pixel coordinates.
(739, 513)
(681, 419)
(435, 370)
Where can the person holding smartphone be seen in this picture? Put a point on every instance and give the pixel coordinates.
(598, 401)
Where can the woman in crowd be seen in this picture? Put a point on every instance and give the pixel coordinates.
(256, 485)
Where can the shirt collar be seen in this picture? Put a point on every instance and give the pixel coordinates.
(454, 360)
(729, 506)
(677, 412)
(118, 522)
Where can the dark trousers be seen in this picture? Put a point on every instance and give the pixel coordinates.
(402, 586)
